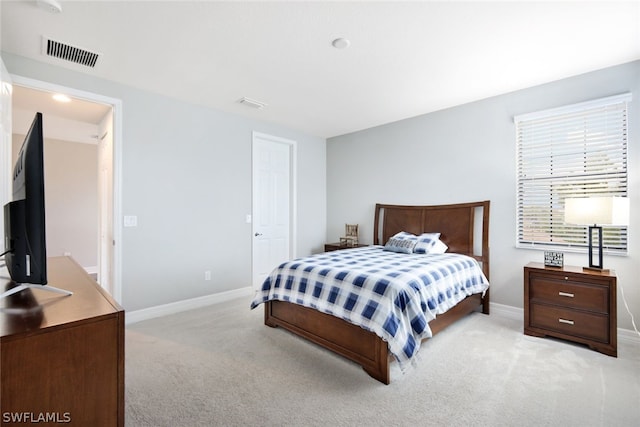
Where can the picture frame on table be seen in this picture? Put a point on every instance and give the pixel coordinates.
(553, 259)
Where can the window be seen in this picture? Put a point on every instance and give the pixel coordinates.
(574, 151)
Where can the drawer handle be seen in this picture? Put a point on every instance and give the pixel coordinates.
(566, 294)
(565, 321)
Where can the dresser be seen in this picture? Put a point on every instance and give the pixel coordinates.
(572, 304)
(62, 357)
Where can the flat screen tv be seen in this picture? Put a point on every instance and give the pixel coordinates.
(24, 217)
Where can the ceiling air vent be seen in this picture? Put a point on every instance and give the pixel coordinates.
(69, 53)
(252, 103)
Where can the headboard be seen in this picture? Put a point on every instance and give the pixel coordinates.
(464, 227)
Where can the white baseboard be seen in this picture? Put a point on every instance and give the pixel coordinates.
(515, 313)
(190, 304)
(507, 311)
(629, 336)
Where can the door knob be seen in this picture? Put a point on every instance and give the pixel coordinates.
(258, 234)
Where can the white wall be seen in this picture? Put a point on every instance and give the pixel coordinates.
(186, 175)
(71, 182)
(467, 153)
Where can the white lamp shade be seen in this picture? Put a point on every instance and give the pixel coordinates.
(597, 210)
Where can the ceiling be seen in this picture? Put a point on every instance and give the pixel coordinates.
(404, 58)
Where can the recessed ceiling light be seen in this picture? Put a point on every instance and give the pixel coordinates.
(60, 97)
(341, 43)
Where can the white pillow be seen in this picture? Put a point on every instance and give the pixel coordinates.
(439, 248)
(426, 241)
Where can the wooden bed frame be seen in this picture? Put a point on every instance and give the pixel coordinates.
(458, 225)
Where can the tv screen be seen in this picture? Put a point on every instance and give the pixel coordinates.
(24, 216)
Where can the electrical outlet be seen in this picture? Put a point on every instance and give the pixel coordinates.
(207, 275)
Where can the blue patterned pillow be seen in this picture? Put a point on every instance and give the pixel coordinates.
(402, 242)
(426, 241)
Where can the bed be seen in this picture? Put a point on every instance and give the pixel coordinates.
(463, 227)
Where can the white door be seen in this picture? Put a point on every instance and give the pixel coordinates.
(105, 206)
(272, 204)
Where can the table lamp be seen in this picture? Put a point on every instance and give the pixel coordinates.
(595, 212)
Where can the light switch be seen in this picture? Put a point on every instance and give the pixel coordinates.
(130, 221)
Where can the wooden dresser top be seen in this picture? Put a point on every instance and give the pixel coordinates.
(32, 310)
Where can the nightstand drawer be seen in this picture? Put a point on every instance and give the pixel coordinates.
(590, 326)
(567, 293)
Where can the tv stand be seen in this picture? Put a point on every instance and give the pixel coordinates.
(23, 286)
(63, 357)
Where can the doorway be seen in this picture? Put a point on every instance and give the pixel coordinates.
(273, 204)
(107, 136)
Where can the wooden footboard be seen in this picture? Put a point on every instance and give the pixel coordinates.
(351, 341)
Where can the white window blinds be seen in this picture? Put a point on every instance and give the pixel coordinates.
(574, 151)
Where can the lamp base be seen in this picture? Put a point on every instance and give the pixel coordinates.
(592, 265)
(600, 270)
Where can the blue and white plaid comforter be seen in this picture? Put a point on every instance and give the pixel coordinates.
(391, 294)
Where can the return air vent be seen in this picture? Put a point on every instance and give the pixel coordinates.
(68, 53)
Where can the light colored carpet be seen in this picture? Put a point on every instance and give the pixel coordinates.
(220, 366)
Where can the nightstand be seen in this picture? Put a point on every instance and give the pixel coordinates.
(572, 304)
(328, 247)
